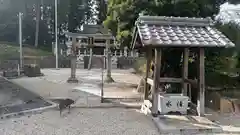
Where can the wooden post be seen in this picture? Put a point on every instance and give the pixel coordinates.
(201, 84)
(72, 78)
(109, 78)
(185, 71)
(148, 65)
(156, 80)
(90, 59)
(105, 60)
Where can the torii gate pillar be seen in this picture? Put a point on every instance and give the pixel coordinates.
(72, 78)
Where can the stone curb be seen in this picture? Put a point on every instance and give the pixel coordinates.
(108, 106)
(100, 105)
(25, 112)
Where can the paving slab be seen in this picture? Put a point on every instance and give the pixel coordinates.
(176, 124)
(16, 100)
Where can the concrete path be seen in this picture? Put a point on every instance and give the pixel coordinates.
(53, 84)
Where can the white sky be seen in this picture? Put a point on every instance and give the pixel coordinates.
(229, 6)
(224, 16)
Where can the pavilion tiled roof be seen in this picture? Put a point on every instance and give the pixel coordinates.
(178, 32)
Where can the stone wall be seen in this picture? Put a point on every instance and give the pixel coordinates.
(97, 62)
(213, 100)
(126, 62)
(8, 64)
(48, 62)
(218, 101)
(64, 62)
(122, 62)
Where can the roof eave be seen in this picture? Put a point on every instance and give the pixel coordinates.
(189, 46)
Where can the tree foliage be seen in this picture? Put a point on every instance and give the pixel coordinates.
(121, 16)
(71, 15)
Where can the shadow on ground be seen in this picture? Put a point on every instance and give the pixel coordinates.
(14, 98)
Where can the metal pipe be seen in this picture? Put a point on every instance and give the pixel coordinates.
(56, 34)
(20, 39)
(102, 85)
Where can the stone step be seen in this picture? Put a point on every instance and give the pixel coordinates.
(185, 125)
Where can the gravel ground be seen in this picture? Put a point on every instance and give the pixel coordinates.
(88, 121)
(81, 122)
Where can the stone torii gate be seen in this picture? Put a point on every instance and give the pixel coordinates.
(91, 34)
(158, 32)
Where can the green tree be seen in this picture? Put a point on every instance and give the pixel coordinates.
(38, 27)
(122, 15)
(101, 11)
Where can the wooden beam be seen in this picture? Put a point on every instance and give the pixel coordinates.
(170, 80)
(156, 78)
(173, 80)
(193, 83)
(190, 91)
(82, 35)
(201, 84)
(148, 65)
(95, 44)
(185, 71)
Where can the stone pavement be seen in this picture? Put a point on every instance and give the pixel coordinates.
(15, 100)
(53, 84)
(81, 122)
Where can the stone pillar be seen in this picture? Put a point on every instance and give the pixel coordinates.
(72, 78)
(125, 51)
(90, 59)
(121, 54)
(109, 78)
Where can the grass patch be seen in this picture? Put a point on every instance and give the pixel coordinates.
(10, 51)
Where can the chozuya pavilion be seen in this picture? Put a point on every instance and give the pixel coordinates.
(159, 32)
(155, 33)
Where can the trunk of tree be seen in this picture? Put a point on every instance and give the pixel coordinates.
(37, 23)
